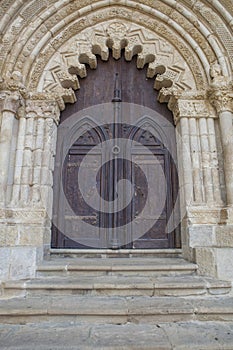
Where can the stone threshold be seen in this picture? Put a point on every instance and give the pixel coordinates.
(153, 266)
(105, 253)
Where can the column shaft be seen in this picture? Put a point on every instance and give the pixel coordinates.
(226, 118)
(187, 167)
(195, 155)
(205, 160)
(214, 161)
(8, 118)
(19, 160)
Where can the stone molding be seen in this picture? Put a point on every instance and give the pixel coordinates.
(182, 17)
(27, 215)
(165, 63)
(202, 215)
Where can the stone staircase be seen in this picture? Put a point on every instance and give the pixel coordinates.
(117, 301)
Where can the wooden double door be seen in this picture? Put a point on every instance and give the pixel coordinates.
(132, 170)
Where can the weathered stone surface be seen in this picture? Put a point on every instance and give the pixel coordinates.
(206, 260)
(224, 258)
(23, 262)
(224, 236)
(163, 336)
(120, 285)
(5, 260)
(207, 335)
(201, 236)
(115, 266)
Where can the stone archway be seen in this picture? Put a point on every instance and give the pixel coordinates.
(39, 78)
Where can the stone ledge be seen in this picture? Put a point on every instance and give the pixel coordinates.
(120, 285)
(95, 309)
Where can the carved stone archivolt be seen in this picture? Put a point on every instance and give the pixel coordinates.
(164, 62)
(28, 49)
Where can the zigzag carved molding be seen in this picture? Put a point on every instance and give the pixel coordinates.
(164, 62)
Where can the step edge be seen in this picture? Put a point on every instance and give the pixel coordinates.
(115, 251)
(42, 268)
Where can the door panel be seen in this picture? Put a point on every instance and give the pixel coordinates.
(95, 89)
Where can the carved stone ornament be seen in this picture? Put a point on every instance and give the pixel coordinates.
(203, 215)
(221, 89)
(11, 102)
(21, 216)
(43, 109)
(164, 62)
(222, 98)
(188, 104)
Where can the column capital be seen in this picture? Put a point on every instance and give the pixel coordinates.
(222, 98)
(193, 104)
(43, 106)
(11, 102)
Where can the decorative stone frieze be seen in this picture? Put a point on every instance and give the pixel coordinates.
(187, 105)
(203, 215)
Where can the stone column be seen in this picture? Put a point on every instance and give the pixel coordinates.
(222, 99)
(39, 149)
(9, 113)
(18, 161)
(214, 160)
(198, 169)
(190, 118)
(186, 165)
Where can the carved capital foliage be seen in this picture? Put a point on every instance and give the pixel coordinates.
(222, 98)
(11, 102)
(165, 64)
(188, 104)
(42, 108)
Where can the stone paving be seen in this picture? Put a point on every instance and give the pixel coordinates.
(150, 309)
(161, 336)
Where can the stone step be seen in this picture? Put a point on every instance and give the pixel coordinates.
(115, 310)
(161, 336)
(115, 266)
(119, 286)
(115, 253)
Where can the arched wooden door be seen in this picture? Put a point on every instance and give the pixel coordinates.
(113, 229)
